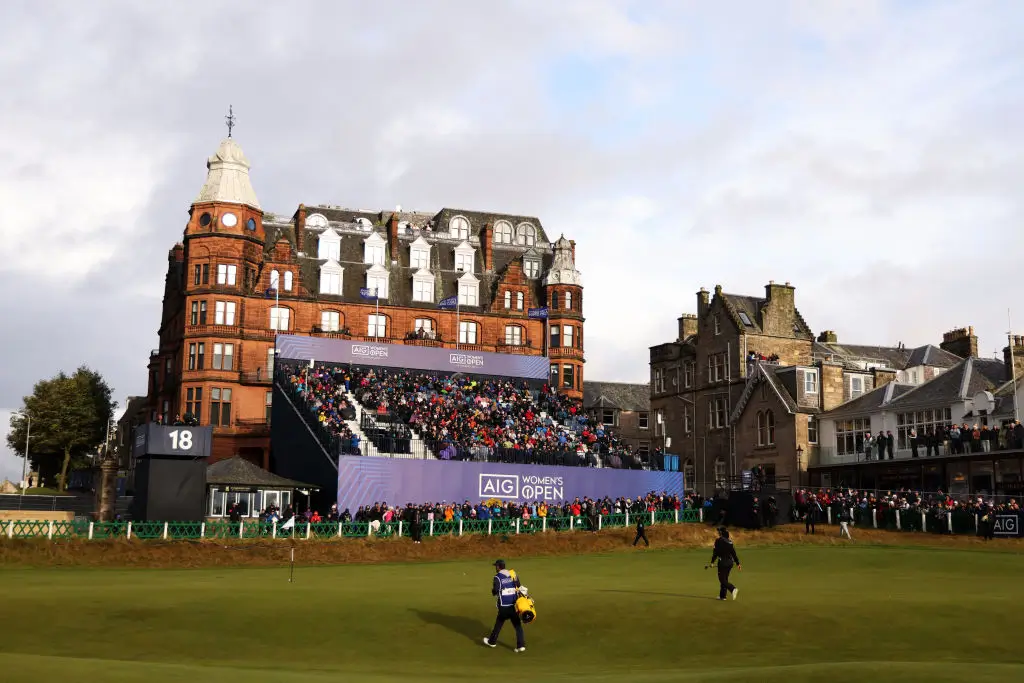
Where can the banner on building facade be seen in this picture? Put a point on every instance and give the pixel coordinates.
(366, 480)
(294, 347)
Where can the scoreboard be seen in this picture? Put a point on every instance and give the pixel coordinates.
(171, 441)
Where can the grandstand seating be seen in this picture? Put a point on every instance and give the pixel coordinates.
(405, 413)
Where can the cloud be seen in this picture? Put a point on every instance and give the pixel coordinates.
(864, 151)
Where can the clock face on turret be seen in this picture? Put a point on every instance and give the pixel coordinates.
(229, 220)
(251, 224)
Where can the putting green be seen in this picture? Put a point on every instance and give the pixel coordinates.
(803, 614)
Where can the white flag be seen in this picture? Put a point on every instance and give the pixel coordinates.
(290, 524)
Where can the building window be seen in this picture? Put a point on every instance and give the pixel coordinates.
(688, 374)
(270, 361)
(419, 258)
(226, 275)
(520, 301)
(424, 327)
(567, 334)
(508, 299)
(718, 324)
(194, 402)
(468, 293)
(503, 232)
(642, 419)
(856, 386)
(568, 301)
(269, 400)
(279, 318)
(224, 313)
(716, 367)
(717, 416)
(275, 279)
(526, 235)
(330, 321)
(554, 301)
(458, 228)
(810, 381)
(531, 267)
(513, 335)
(719, 473)
(423, 291)
(196, 356)
(287, 280)
(223, 356)
(464, 261)
(378, 283)
(194, 319)
(329, 247)
(568, 377)
(467, 332)
(687, 419)
(812, 429)
(556, 333)
(377, 326)
(608, 417)
(220, 407)
(374, 254)
(689, 475)
(659, 380)
(202, 274)
(850, 435)
(554, 375)
(765, 428)
(330, 281)
(643, 449)
(924, 422)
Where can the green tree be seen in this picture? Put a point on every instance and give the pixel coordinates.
(69, 415)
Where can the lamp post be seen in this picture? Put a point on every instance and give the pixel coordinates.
(799, 466)
(24, 464)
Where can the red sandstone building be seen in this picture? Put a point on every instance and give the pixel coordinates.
(240, 276)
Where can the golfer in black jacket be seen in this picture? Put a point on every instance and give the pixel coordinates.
(725, 553)
(641, 531)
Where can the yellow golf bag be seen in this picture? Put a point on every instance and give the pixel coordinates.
(525, 607)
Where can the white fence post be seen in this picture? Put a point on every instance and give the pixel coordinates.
(600, 522)
(431, 527)
(91, 525)
(273, 530)
(949, 521)
(489, 522)
(572, 523)
(627, 518)
(975, 521)
(49, 531)
(202, 530)
(652, 518)
(165, 530)
(829, 511)
(339, 528)
(241, 529)
(700, 514)
(399, 529)
(369, 530)
(460, 526)
(543, 523)
(899, 526)
(677, 516)
(129, 532)
(309, 529)
(924, 522)
(517, 525)
(10, 529)
(874, 517)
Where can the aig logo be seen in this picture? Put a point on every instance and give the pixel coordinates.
(499, 486)
(1006, 525)
(370, 351)
(466, 360)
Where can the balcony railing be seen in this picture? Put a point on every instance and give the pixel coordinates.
(252, 422)
(523, 349)
(330, 334)
(258, 376)
(432, 343)
(566, 352)
(212, 331)
(470, 347)
(829, 456)
(264, 334)
(376, 340)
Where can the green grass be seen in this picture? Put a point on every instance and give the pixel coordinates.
(804, 614)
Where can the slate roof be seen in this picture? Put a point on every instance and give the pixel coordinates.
(961, 382)
(627, 397)
(932, 356)
(442, 255)
(851, 354)
(751, 306)
(238, 471)
(871, 401)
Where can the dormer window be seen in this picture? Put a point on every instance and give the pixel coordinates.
(373, 252)
(364, 224)
(503, 232)
(531, 267)
(469, 290)
(465, 258)
(316, 221)
(331, 278)
(423, 286)
(329, 246)
(458, 228)
(526, 235)
(377, 281)
(419, 254)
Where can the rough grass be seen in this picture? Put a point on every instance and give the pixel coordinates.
(158, 554)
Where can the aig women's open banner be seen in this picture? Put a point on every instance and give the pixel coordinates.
(364, 481)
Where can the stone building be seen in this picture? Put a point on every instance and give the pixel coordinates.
(240, 276)
(744, 382)
(624, 409)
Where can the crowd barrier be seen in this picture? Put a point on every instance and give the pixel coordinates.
(932, 520)
(224, 530)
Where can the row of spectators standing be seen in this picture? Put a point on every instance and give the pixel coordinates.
(945, 440)
(861, 503)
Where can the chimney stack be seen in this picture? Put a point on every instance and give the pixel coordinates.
(300, 229)
(393, 235)
(961, 342)
(687, 325)
(703, 302)
(487, 246)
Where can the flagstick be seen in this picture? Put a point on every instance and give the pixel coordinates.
(291, 573)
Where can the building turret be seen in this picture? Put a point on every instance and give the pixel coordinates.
(564, 289)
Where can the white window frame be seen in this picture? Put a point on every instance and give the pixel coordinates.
(287, 280)
(720, 473)
(226, 355)
(567, 301)
(373, 250)
(425, 324)
(765, 428)
(847, 434)
(643, 420)
(520, 301)
(687, 419)
(503, 232)
(469, 290)
(716, 367)
(718, 324)
(568, 336)
(459, 228)
(423, 290)
(275, 279)
(717, 417)
(468, 332)
(508, 299)
(329, 246)
(526, 235)
(226, 274)
(224, 313)
(377, 326)
(513, 335)
(465, 258)
(419, 254)
(332, 279)
(531, 268)
(659, 380)
(330, 321)
(856, 393)
(688, 370)
(280, 318)
(812, 430)
(377, 279)
(810, 380)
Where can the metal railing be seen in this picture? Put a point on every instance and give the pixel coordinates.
(828, 455)
(224, 530)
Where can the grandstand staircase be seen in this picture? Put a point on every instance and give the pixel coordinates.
(418, 449)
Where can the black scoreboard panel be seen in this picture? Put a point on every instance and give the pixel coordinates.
(174, 441)
(170, 472)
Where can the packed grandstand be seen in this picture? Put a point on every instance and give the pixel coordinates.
(452, 417)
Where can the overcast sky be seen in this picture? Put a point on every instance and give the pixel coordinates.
(867, 152)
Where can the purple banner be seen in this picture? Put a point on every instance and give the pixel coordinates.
(368, 480)
(414, 357)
